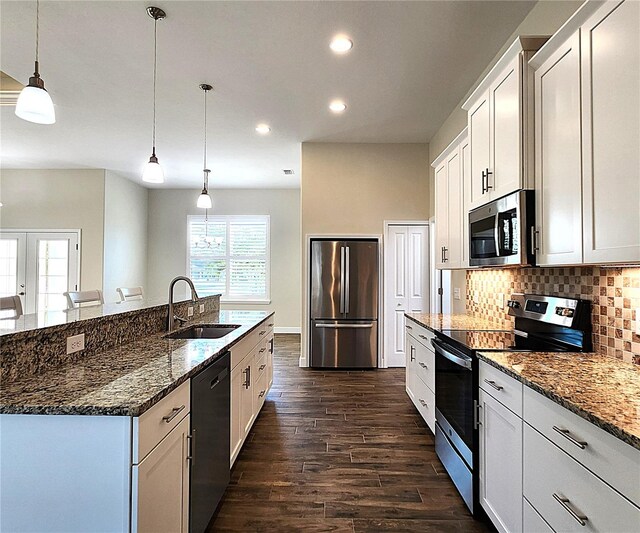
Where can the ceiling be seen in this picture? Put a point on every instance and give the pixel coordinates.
(412, 62)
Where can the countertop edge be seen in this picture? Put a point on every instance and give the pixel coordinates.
(610, 428)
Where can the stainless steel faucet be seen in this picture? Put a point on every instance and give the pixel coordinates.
(194, 298)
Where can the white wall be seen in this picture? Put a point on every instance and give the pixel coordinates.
(125, 235)
(167, 245)
(59, 199)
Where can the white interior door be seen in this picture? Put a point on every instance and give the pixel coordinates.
(39, 267)
(406, 284)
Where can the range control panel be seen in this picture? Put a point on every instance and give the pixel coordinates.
(550, 309)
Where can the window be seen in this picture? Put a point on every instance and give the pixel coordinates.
(229, 255)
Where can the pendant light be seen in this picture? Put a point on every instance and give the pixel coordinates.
(34, 103)
(204, 200)
(153, 171)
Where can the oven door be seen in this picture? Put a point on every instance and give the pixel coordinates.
(454, 397)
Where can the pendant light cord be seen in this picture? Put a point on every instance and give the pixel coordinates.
(37, 27)
(155, 76)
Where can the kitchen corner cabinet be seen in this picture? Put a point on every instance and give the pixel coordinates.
(451, 208)
(587, 133)
(500, 126)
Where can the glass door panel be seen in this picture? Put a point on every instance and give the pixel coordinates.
(13, 265)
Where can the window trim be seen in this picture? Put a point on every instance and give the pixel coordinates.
(228, 219)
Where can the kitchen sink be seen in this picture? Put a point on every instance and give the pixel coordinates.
(203, 331)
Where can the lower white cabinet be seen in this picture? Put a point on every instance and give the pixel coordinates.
(500, 464)
(420, 372)
(532, 521)
(161, 485)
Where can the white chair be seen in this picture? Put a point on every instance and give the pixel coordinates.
(75, 299)
(11, 303)
(128, 294)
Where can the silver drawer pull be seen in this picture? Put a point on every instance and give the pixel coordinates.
(567, 435)
(423, 365)
(263, 332)
(408, 326)
(424, 404)
(262, 350)
(173, 414)
(262, 367)
(270, 325)
(580, 518)
(493, 384)
(423, 337)
(261, 394)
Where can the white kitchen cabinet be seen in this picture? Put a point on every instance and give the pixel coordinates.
(465, 151)
(500, 464)
(558, 156)
(450, 205)
(406, 281)
(160, 485)
(411, 373)
(420, 372)
(500, 125)
(611, 133)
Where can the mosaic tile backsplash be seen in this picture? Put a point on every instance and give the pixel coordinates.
(615, 293)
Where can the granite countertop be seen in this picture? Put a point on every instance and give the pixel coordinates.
(127, 380)
(438, 322)
(600, 389)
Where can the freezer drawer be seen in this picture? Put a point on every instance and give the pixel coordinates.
(342, 344)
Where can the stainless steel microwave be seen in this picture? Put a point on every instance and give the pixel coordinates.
(499, 231)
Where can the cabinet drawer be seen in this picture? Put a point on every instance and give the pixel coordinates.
(532, 522)
(425, 401)
(421, 334)
(505, 389)
(566, 494)
(157, 422)
(426, 365)
(261, 362)
(260, 393)
(608, 457)
(246, 345)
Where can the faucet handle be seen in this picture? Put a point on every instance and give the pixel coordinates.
(180, 319)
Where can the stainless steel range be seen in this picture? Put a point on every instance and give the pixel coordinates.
(542, 323)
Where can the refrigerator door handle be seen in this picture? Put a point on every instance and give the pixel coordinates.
(342, 279)
(345, 326)
(348, 280)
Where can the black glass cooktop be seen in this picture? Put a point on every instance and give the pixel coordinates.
(483, 340)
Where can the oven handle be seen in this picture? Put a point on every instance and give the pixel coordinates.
(442, 349)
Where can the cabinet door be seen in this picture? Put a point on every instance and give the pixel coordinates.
(442, 214)
(500, 464)
(479, 142)
(611, 133)
(410, 370)
(247, 414)
(506, 132)
(453, 251)
(270, 348)
(237, 429)
(417, 269)
(558, 157)
(162, 499)
(465, 159)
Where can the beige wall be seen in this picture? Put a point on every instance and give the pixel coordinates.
(125, 235)
(544, 19)
(354, 188)
(167, 248)
(59, 199)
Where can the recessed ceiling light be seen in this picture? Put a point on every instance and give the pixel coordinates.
(263, 129)
(341, 44)
(337, 106)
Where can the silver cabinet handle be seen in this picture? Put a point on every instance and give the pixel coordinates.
(263, 332)
(261, 394)
(487, 176)
(408, 326)
(579, 517)
(567, 435)
(444, 251)
(262, 350)
(345, 326)
(535, 246)
(424, 404)
(270, 325)
(174, 412)
(493, 384)
(423, 365)
(247, 373)
(413, 351)
(476, 414)
(483, 186)
(262, 367)
(191, 438)
(423, 337)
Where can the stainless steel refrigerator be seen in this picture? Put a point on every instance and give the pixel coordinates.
(344, 303)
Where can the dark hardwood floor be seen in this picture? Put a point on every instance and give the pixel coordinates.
(339, 451)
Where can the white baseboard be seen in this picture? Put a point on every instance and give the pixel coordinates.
(286, 330)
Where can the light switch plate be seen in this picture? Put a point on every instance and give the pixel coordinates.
(201, 308)
(75, 343)
(190, 311)
(456, 293)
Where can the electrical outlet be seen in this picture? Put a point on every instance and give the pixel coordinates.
(638, 321)
(75, 343)
(190, 311)
(456, 293)
(501, 300)
(201, 308)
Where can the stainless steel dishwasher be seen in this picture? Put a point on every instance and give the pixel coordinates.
(210, 406)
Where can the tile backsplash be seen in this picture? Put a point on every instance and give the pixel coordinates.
(614, 291)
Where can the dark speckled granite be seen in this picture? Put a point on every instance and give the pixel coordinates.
(600, 389)
(125, 380)
(438, 322)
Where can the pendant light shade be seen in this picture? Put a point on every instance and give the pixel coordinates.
(204, 200)
(34, 102)
(153, 172)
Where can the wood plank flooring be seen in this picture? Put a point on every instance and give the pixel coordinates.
(339, 451)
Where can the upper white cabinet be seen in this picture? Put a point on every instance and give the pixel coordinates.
(451, 204)
(500, 125)
(611, 133)
(587, 133)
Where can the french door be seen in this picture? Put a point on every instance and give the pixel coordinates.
(39, 267)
